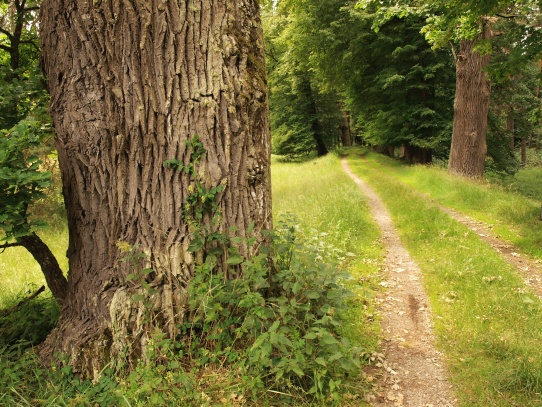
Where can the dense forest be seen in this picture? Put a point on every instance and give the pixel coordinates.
(343, 72)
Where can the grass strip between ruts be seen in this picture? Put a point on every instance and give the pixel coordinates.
(486, 320)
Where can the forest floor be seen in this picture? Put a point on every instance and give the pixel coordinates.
(410, 370)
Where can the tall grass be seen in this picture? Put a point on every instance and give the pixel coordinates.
(331, 212)
(329, 205)
(527, 182)
(487, 321)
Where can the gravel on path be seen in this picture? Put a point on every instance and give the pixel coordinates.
(410, 371)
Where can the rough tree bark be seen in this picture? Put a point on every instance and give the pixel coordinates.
(130, 83)
(471, 106)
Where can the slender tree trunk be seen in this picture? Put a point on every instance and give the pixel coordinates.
(54, 277)
(312, 113)
(344, 127)
(523, 151)
(471, 106)
(510, 127)
(131, 82)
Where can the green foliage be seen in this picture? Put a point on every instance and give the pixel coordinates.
(277, 331)
(200, 200)
(21, 180)
(280, 328)
(402, 92)
(396, 88)
(24, 121)
(514, 41)
(305, 114)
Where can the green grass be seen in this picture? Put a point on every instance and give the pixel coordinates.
(328, 204)
(527, 182)
(512, 216)
(20, 273)
(331, 212)
(487, 322)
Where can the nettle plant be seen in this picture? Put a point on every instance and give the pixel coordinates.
(277, 323)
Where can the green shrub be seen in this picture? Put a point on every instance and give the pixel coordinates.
(281, 327)
(270, 335)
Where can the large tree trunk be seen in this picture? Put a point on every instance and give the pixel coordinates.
(130, 83)
(471, 106)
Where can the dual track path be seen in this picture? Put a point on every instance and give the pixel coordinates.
(411, 371)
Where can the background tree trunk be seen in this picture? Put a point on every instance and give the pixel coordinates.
(523, 151)
(471, 106)
(416, 155)
(344, 127)
(130, 83)
(511, 127)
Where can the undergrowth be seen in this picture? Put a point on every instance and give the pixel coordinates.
(265, 338)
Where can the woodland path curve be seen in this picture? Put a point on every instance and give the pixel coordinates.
(411, 371)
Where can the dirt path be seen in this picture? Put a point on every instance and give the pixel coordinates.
(531, 270)
(411, 371)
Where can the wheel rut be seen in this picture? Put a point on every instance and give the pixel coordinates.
(409, 371)
(529, 269)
